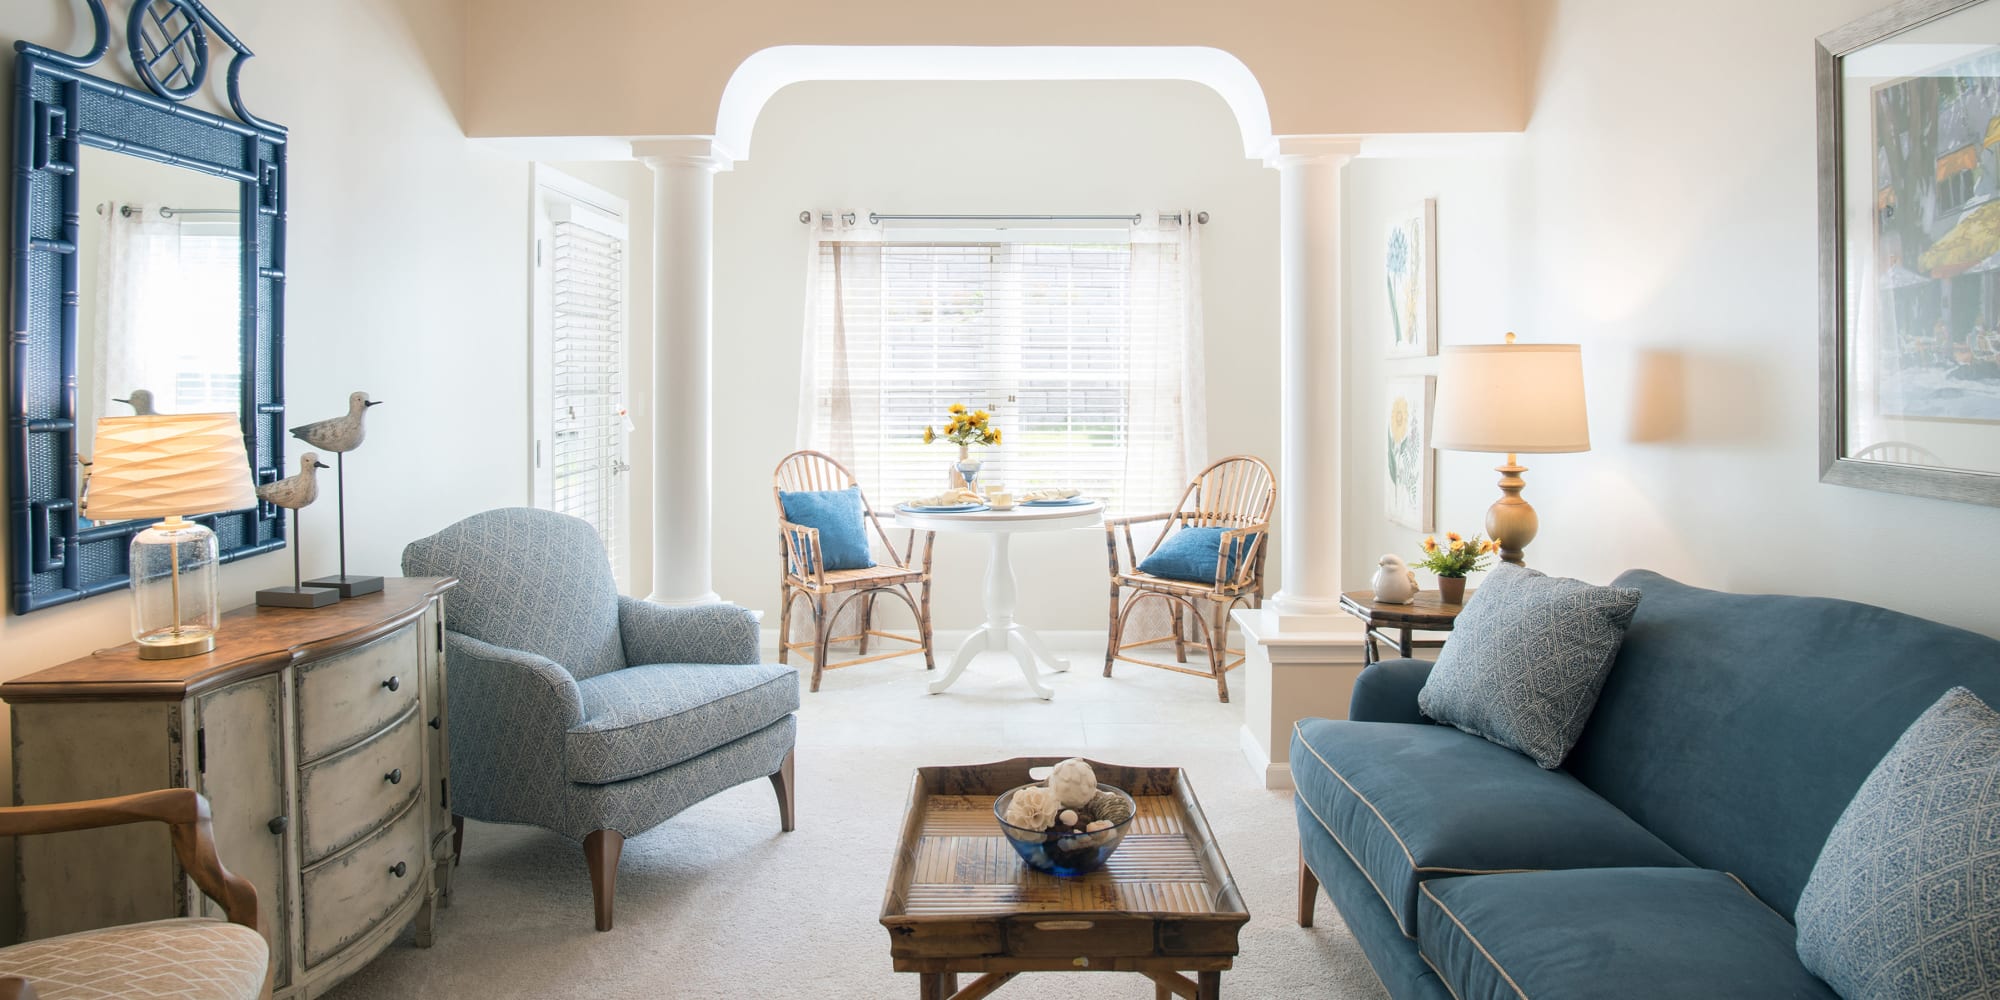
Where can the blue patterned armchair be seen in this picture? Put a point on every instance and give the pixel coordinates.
(585, 712)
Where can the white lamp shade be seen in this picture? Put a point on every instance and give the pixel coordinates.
(1524, 398)
(168, 464)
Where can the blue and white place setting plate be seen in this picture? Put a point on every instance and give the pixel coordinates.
(1071, 502)
(957, 508)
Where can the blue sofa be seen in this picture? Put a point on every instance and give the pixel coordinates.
(1665, 857)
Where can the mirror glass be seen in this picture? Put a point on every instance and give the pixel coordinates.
(159, 261)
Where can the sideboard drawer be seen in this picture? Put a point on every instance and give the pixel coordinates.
(348, 894)
(344, 698)
(343, 797)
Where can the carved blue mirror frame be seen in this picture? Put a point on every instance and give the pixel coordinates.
(56, 556)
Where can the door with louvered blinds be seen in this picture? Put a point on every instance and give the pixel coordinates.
(581, 426)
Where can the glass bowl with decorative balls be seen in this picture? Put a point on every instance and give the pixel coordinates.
(1068, 824)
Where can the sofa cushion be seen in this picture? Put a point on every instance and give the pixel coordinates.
(1631, 933)
(1413, 802)
(187, 957)
(1527, 658)
(1905, 899)
(641, 719)
(1737, 727)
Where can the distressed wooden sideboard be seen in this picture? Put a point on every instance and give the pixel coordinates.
(319, 738)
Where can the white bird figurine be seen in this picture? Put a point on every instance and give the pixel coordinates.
(1395, 582)
(340, 434)
(293, 492)
(141, 402)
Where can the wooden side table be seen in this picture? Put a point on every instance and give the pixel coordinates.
(1428, 613)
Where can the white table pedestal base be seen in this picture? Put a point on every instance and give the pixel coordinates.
(1001, 633)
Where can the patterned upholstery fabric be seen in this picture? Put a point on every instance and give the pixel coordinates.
(189, 957)
(514, 699)
(532, 580)
(1526, 660)
(640, 719)
(1905, 899)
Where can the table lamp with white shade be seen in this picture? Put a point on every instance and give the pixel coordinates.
(170, 466)
(1511, 399)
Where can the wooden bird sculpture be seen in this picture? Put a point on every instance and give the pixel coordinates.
(293, 492)
(141, 402)
(340, 434)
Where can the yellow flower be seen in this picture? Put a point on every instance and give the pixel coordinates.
(957, 408)
(1458, 545)
(1490, 547)
(930, 434)
(1496, 544)
(979, 416)
(1430, 545)
(996, 436)
(1399, 420)
(1453, 535)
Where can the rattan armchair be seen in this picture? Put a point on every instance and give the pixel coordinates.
(1235, 494)
(829, 593)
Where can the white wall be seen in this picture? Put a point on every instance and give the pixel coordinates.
(1660, 210)
(1031, 148)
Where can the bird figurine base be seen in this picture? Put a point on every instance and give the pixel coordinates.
(297, 597)
(348, 586)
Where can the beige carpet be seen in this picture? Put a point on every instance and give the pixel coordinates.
(717, 903)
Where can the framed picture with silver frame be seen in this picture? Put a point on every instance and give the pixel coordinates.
(1909, 250)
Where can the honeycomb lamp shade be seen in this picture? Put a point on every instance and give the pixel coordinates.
(169, 466)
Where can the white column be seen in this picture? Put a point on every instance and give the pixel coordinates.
(1309, 288)
(683, 281)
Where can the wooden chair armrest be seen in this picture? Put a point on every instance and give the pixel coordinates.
(16, 988)
(185, 813)
(908, 555)
(802, 551)
(1119, 522)
(1246, 543)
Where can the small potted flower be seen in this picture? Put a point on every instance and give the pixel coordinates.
(966, 428)
(1455, 557)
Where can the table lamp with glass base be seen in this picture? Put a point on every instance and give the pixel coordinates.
(1511, 399)
(170, 466)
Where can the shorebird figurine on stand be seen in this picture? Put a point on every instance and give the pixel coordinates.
(292, 493)
(340, 436)
(141, 402)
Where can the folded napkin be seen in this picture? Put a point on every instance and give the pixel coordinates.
(949, 498)
(1051, 493)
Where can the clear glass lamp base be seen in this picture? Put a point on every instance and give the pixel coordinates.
(168, 644)
(174, 569)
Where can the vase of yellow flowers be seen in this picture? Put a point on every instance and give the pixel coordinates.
(1455, 557)
(965, 429)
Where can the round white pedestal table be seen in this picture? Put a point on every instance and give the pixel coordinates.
(1002, 633)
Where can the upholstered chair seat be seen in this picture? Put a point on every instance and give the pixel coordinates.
(195, 958)
(641, 719)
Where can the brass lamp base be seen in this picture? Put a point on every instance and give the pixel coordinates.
(1511, 520)
(173, 646)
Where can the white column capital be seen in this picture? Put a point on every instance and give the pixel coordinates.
(1288, 150)
(682, 151)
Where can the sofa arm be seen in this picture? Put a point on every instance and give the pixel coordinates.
(1387, 692)
(509, 713)
(701, 633)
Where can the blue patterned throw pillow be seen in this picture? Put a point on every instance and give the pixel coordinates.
(1526, 660)
(1905, 899)
(1192, 554)
(843, 538)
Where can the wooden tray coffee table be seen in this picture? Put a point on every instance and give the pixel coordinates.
(961, 901)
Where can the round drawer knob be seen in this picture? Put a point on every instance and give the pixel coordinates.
(435, 719)
(393, 684)
(279, 823)
(399, 869)
(394, 777)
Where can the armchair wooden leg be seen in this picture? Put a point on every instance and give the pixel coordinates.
(867, 619)
(924, 626)
(457, 837)
(601, 849)
(1308, 891)
(1117, 629)
(1180, 632)
(785, 627)
(1218, 650)
(781, 779)
(822, 631)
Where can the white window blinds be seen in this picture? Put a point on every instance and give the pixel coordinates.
(583, 382)
(1078, 350)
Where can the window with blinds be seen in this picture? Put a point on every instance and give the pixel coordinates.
(582, 431)
(1038, 334)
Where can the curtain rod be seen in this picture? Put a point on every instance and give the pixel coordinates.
(168, 213)
(878, 217)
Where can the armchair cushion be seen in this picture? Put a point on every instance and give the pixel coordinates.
(701, 633)
(641, 719)
(190, 957)
(1191, 554)
(836, 514)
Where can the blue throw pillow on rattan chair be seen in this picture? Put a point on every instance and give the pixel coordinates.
(1192, 554)
(837, 516)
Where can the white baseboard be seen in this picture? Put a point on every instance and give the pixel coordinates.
(1274, 775)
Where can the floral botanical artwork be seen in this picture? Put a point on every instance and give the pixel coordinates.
(1412, 463)
(1410, 271)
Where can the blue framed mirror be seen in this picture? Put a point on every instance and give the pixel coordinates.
(147, 274)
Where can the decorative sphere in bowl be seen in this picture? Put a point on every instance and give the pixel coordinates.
(1070, 850)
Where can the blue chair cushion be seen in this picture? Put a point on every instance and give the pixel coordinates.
(1905, 899)
(1631, 933)
(641, 719)
(1191, 554)
(837, 514)
(1414, 802)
